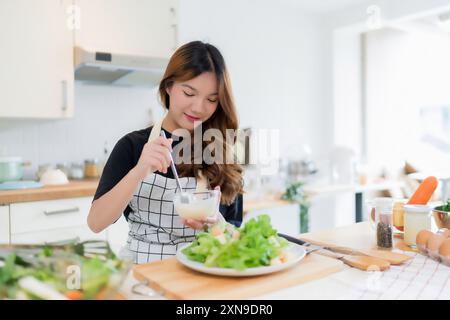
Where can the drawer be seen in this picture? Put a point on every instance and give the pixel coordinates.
(83, 233)
(51, 214)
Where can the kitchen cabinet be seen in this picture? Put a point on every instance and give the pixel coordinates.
(62, 234)
(56, 220)
(4, 224)
(51, 220)
(129, 27)
(37, 72)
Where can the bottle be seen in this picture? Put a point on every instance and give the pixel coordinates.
(91, 169)
(384, 230)
(398, 215)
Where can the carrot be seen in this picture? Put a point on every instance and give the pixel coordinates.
(424, 192)
(74, 294)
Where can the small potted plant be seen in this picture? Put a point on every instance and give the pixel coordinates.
(295, 194)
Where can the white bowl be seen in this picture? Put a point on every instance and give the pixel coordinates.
(201, 205)
(54, 177)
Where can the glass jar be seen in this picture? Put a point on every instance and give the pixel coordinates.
(64, 167)
(91, 169)
(416, 218)
(76, 171)
(384, 229)
(398, 215)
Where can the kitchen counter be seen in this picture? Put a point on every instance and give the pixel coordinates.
(265, 202)
(420, 278)
(73, 189)
(84, 188)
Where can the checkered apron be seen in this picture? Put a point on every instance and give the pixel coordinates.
(156, 230)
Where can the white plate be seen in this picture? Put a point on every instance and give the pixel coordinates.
(298, 253)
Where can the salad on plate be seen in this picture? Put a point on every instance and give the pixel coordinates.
(255, 244)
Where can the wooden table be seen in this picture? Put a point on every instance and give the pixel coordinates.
(359, 235)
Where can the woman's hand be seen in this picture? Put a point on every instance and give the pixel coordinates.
(155, 156)
(202, 224)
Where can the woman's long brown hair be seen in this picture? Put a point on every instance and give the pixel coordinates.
(188, 62)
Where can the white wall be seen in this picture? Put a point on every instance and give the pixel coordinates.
(277, 58)
(347, 26)
(279, 61)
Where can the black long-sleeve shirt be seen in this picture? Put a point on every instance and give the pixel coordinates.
(125, 156)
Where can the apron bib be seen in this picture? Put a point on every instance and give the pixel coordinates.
(156, 230)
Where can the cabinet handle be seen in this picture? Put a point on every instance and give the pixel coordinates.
(68, 210)
(64, 95)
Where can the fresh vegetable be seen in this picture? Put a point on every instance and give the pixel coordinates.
(424, 192)
(74, 294)
(47, 276)
(256, 244)
(445, 207)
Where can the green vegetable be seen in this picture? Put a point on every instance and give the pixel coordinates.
(51, 268)
(295, 194)
(445, 207)
(256, 246)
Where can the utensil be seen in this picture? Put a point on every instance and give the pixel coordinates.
(393, 258)
(352, 258)
(442, 218)
(54, 177)
(201, 205)
(22, 184)
(362, 262)
(416, 218)
(11, 168)
(184, 198)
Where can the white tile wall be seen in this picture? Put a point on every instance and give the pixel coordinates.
(102, 114)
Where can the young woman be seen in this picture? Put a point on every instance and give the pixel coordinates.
(137, 179)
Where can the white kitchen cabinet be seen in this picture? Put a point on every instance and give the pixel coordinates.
(49, 214)
(55, 235)
(36, 55)
(4, 224)
(51, 220)
(127, 26)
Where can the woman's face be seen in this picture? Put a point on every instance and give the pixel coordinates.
(194, 100)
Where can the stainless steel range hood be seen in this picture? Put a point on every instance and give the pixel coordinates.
(118, 69)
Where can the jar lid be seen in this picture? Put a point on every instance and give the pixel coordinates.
(91, 161)
(383, 202)
(417, 208)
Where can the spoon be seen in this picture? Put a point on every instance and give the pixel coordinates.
(184, 196)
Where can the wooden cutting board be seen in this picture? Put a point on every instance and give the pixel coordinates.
(176, 281)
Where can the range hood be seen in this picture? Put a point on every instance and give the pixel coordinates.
(118, 69)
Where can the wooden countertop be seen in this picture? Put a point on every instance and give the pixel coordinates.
(85, 188)
(73, 189)
(265, 202)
